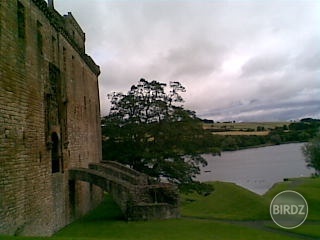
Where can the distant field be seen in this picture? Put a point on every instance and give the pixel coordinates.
(243, 128)
(237, 133)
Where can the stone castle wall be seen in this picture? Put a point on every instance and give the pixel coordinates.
(49, 118)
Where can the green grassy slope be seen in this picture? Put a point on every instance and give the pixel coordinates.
(231, 212)
(310, 189)
(229, 201)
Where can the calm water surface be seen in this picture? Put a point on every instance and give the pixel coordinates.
(256, 169)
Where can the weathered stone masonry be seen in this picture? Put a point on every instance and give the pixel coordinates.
(49, 118)
(139, 196)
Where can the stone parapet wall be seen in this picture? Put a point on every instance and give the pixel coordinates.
(137, 200)
(121, 172)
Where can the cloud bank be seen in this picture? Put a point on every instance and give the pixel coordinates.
(239, 60)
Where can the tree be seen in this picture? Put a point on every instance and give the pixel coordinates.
(149, 129)
(311, 151)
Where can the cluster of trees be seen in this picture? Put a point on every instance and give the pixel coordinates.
(295, 132)
(301, 131)
(311, 151)
(149, 130)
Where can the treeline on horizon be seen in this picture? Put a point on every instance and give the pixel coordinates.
(210, 121)
(301, 131)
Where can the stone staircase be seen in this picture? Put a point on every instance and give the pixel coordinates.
(138, 196)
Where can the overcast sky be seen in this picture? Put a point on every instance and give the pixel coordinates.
(239, 60)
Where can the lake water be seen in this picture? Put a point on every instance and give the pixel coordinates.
(256, 169)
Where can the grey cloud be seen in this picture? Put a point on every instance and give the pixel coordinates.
(238, 59)
(196, 60)
(264, 64)
(274, 111)
(310, 62)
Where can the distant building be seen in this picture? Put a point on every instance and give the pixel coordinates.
(49, 118)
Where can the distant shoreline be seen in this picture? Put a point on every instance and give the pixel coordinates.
(263, 145)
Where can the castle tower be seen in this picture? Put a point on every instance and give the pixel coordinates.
(49, 118)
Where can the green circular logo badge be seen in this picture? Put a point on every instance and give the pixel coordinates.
(289, 209)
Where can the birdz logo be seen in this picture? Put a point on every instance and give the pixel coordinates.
(289, 209)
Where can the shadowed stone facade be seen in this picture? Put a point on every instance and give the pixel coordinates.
(49, 118)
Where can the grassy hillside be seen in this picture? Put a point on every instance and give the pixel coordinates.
(228, 201)
(309, 188)
(231, 212)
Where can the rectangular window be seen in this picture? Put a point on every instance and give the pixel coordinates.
(64, 53)
(21, 20)
(72, 67)
(55, 153)
(39, 37)
(54, 49)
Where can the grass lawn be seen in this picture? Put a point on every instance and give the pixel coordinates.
(309, 188)
(228, 201)
(240, 204)
(231, 212)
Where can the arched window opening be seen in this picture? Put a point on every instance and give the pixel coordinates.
(55, 163)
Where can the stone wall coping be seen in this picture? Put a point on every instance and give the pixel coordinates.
(123, 167)
(58, 22)
(74, 171)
